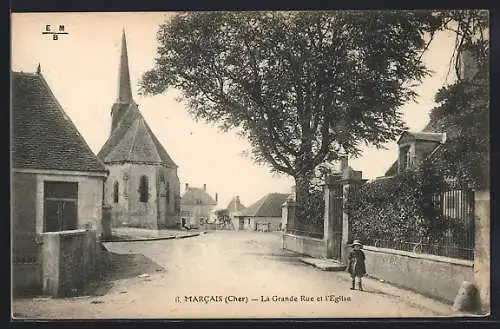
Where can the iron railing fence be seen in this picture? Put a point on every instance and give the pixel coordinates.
(454, 203)
(456, 206)
(446, 247)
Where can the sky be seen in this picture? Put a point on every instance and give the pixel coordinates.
(82, 70)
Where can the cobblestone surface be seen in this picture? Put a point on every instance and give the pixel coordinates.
(227, 275)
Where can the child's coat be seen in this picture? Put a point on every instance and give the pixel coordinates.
(356, 266)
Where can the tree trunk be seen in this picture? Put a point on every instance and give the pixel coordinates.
(302, 191)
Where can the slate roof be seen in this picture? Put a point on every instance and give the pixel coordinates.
(393, 169)
(235, 205)
(195, 193)
(425, 136)
(134, 141)
(43, 136)
(268, 206)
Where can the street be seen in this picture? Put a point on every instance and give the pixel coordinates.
(225, 274)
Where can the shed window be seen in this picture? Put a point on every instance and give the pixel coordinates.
(143, 189)
(115, 192)
(60, 206)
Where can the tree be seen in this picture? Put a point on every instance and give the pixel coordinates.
(471, 29)
(463, 113)
(298, 85)
(463, 107)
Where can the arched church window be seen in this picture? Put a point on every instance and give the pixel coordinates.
(167, 195)
(115, 192)
(143, 189)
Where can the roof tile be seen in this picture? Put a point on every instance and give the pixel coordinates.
(268, 206)
(44, 137)
(134, 141)
(193, 194)
(235, 205)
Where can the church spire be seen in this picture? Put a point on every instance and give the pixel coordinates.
(124, 88)
(124, 97)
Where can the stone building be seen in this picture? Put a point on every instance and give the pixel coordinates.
(143, 187)
(196, 206)
(263, 215)
(234, 207)
(415, 147)
(57, 190)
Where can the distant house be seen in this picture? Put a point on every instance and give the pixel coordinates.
(264, 215)
(196, 206)
(234, 207)
(57, 180)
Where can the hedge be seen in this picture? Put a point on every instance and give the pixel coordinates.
(401, 209)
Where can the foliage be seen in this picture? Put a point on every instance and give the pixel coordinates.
(315, 209)
(463, 108)
(298, 85)
(463, 113)
(401, 208)
(222, 214)
(470, 28)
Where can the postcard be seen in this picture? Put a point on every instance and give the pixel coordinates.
(262, 165)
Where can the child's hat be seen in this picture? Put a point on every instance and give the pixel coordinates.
(356, 242)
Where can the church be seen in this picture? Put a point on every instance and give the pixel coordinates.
(142, 188)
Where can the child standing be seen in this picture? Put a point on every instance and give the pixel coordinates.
(356, 266)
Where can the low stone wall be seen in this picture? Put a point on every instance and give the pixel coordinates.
(304, 245)
(69, 260)
(434, 276)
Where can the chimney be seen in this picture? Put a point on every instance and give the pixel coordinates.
(216, 197)
(187, 186)
(237, 199)
(205, 187)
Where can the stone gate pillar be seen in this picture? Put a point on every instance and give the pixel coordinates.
(332, 222)
(351, 180)
(289, 211)
(482, 254)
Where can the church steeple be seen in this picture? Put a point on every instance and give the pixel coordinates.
(124, 88)
(124, 97)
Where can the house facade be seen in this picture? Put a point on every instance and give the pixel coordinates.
(197, 206)
(234, 207)
(455, 202)
(263, 215)
(143, 188)
(57, 181)
(413, 148)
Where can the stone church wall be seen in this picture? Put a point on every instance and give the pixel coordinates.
(129, 210)
(142, 214)
(118, 210)
(168, 214)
